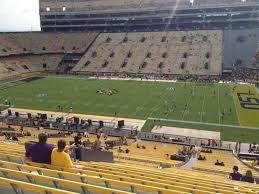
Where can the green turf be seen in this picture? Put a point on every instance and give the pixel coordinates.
(135, 99)
(228, 133)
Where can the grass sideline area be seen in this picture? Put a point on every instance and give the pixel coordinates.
(180, 104)
(228, 133)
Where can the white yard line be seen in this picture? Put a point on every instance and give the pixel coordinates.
(138, 108)
(187, 104)
(160, 103)
(204, 96)
(235, 107)
(218, 106)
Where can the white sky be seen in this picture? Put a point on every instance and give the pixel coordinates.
(19, 15)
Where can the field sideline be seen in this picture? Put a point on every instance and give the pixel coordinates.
(202, 106)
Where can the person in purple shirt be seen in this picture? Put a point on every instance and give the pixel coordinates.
(248, 177)
(235, 175)
(41, 151)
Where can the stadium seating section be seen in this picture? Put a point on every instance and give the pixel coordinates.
(27, 52)
(192, 52)
(226, 156)
(123, 176)
(181, 52)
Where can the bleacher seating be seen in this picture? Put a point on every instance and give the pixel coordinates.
(134, 157)
(9, 186)
(126, 177)
(179, 53)
(40, 43)
(226, 157)
(30, 52)
(119, 177)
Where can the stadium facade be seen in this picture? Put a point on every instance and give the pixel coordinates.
(238, 19)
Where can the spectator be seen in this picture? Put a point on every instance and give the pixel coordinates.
(248, 177)
(77, 139)
(217, 163)
(200, 157)
(235, 175)
(98, 135)
(59, 157)
(41, 151)
(78, 142)
(127, 151)
(14, 138)
(97, 143)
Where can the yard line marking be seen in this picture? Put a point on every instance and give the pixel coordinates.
(139, 108)
(187, 104)
(203, 123)
(204, 96)
(160, 103)
(218, 106)
(112, 106)
(235, 107)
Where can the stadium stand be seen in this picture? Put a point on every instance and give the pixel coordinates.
(136, 155)
(192, 52)
(40, 43)
(30, 52)
(14, 186)
(33, 62)
(226, 157)
(120, 178)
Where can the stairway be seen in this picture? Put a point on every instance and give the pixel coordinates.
(189, 164)
(68, 62)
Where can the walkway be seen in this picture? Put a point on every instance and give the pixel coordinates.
(190, 163)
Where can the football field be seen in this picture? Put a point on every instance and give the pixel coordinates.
(215, 107)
